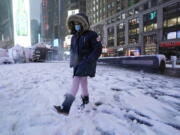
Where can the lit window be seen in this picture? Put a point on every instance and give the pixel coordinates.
(179, 20)
(123, 16)
(155, 26)
(172, 22)
(150, 27)
(145, 29)
(165, 23)
(137, 30)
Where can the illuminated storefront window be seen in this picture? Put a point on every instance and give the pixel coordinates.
(150, 44)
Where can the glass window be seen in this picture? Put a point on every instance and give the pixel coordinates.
(146, 6)
(179, 20)
(178, 34)
(131, 12)
(172, 22)
(145, 29)
(154, 3)
(119, 17)
(137, 30)
(123, 16)
(121, 26)
(165, 23)
(136, 11)
(155, 26)
(150, 27)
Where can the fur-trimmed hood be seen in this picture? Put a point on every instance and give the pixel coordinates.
(81, 18)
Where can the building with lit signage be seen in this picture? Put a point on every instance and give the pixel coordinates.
(15, 23)
(136, 27)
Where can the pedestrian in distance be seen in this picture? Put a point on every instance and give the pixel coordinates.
(85, 50)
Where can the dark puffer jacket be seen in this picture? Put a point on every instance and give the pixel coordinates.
(85, 47)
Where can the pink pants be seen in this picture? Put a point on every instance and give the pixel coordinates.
(75, 85)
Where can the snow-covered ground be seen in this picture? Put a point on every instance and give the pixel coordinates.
(127, 102)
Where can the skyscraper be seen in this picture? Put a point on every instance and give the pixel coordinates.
(6, 24)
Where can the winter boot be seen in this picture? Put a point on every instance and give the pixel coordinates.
(85, 100)
(66, 105)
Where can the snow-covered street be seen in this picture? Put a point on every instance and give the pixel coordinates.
(122, 102)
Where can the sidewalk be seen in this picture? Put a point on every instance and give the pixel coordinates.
(172, 72)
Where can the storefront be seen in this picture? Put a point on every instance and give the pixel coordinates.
(150, 44)
(108, 52)
(170, 48)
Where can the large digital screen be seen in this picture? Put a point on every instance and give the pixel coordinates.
(171, 35)
(21, 21)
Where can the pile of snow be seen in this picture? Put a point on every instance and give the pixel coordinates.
(6, 60)
(20, 54)
(3, 53)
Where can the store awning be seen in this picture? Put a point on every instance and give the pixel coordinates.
(170, 44)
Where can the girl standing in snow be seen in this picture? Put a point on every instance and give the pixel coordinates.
(85, 50)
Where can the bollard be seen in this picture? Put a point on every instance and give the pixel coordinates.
(173, 61)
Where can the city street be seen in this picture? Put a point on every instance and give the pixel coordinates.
(122, 102)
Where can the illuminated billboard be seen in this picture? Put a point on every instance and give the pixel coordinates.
(171, 35)
(178, 34)
(21, 20)
(73, 12)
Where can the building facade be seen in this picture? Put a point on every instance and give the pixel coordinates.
(48, 19)
(6, 24)
(136, 27)
(35, 30)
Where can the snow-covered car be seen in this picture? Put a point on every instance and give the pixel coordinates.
(6, 60)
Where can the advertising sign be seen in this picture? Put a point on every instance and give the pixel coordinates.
(72, 12)
(178, 34)
(56, 43)
(21, 20)
(171, 35)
